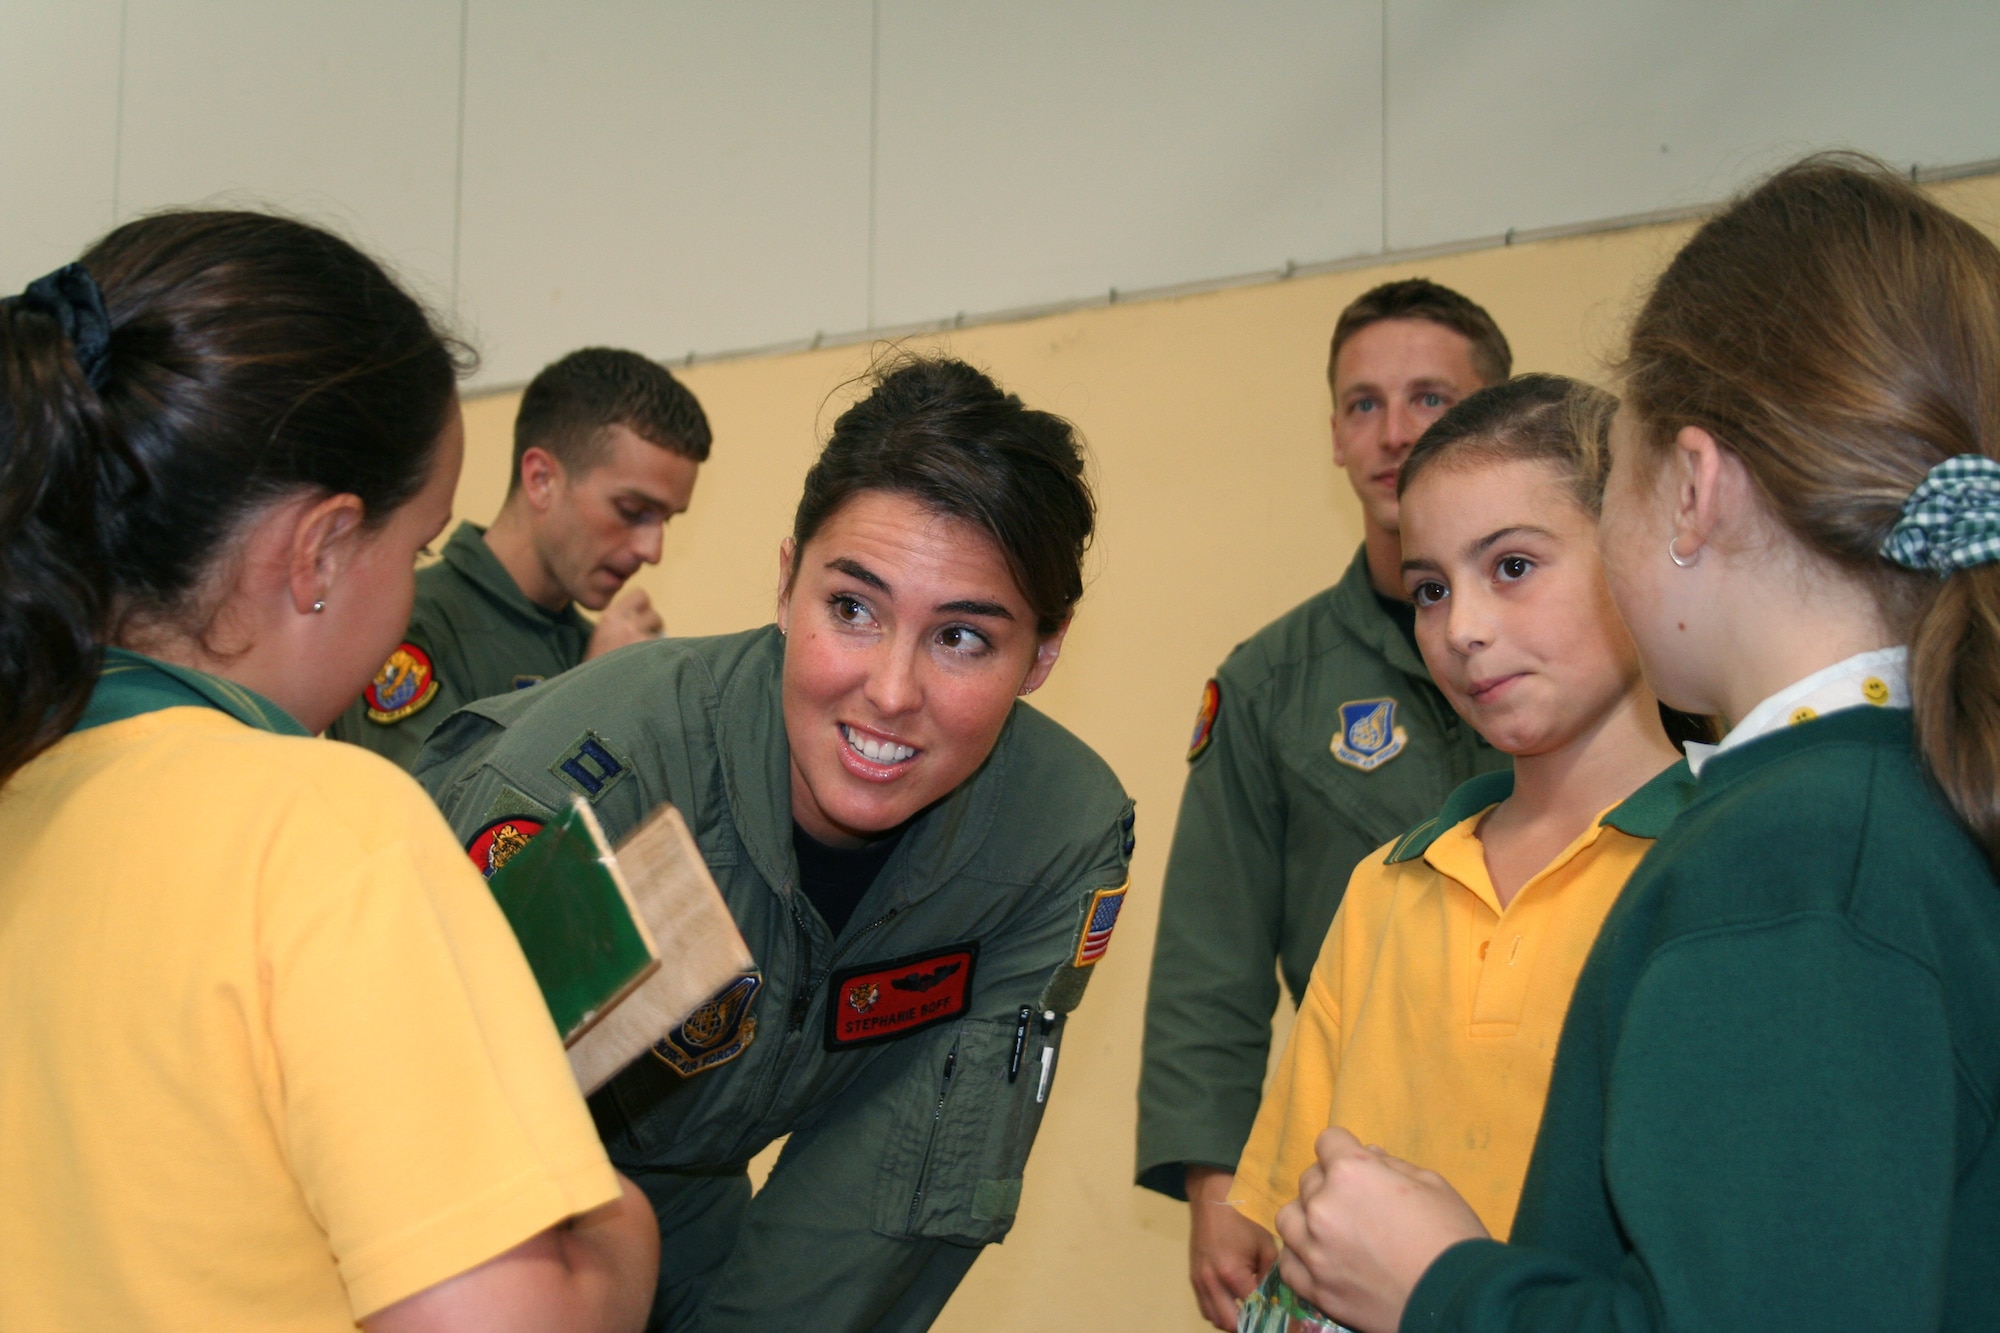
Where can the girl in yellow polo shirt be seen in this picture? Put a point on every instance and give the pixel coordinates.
(1431, 1019)
(270, 1057)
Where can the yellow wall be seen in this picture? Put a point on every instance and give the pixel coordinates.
(1207, 418)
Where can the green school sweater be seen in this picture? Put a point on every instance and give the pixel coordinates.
(1774, 1102)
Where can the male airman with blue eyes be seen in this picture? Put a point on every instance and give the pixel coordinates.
(607, 445)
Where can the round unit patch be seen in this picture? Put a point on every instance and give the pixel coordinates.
(404, 685)
(1204, 720)
(494, 846)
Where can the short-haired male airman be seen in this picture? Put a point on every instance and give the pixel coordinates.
(607, 445)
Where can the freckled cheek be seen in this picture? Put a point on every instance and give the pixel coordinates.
(818, 675)
(965, 717)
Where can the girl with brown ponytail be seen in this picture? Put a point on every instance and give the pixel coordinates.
(1775, 1099)
(270, 1058)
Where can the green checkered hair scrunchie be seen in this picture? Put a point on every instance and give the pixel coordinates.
(1952, 520)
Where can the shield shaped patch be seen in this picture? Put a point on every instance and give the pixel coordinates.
(1368, 736)
(716, 1033)
(406, 682)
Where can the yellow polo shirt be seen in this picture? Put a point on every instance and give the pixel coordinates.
(1430, 1022)
(269, 1056)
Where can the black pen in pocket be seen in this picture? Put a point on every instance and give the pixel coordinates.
(1020, 1042)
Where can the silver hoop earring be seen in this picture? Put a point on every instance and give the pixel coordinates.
(318, 607)
(1675, 556)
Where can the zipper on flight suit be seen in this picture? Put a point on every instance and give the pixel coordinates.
(803, 998)
(930, 1145)
(802, 995)
(863, 933)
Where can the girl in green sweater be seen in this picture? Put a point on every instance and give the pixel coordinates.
(1775, 1099)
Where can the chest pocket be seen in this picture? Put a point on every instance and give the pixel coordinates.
(952, 1164)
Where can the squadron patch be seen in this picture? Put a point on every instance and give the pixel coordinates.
(404, 685)
(1098, 920)
(882, 1001)
(495, 845)
(591, 766)
(716, 1033)
(1204, 720)
(1368, 737)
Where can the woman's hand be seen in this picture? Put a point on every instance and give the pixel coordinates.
(1363, 1230)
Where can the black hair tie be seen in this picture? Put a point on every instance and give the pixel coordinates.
(71, 297)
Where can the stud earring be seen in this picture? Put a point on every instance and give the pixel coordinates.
(318, 607)
(1675, 556)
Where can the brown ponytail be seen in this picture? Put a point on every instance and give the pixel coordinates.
(233, 359)
(1840, 333)
(57, 451)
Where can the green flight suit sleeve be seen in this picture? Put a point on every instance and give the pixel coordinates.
(484, 763)
(880, 1203)
(1214, 983)
(1781, 1129)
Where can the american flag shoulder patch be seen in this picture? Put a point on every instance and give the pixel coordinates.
(1098, 920)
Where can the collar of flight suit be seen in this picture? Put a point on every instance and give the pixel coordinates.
(755, 760)
(1354, 605)
(473, 560)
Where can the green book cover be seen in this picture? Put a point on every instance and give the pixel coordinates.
(575, 919)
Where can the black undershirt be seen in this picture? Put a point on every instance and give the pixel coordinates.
(1405, 616)
(835, 878)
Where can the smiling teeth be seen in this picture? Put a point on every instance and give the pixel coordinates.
(880, 752)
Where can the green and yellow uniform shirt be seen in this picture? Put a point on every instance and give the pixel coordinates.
(473, 633)
(1776, 1099)
(1319, 740)
(271, 1058)
(909, 1054)
(1431, 1020)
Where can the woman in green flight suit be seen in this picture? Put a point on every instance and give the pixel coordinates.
(925, 870)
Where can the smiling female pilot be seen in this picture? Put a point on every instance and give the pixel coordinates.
(925, 870)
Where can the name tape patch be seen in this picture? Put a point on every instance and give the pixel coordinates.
(882, 1001)
(495, 844)
(405, 685)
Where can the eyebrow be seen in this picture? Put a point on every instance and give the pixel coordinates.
(966, 606)
(854, 569)
(977, 608)
(1428, 384)
(1480, 545)
(646, 498)
(1518, 530)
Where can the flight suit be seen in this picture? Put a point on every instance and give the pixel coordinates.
(473, 633)
(894, 1053)
(1319, 740)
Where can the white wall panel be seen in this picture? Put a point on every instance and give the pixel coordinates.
(1547, 112)
(663, 176)
(58, 131)
(1036, 151)
(345, 114)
